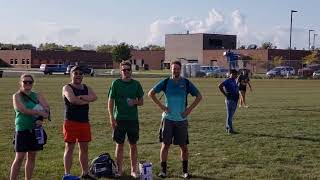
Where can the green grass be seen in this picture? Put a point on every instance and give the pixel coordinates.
(278, 134)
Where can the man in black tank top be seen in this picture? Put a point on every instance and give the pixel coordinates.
(76, 127)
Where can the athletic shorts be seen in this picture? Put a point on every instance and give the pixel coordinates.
(174, 131)
(242, 88)
(74, 131)
(25, 141)
(126, 127)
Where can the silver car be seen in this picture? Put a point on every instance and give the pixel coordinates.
(316, 74)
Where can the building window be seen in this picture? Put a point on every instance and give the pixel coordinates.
(28, 61)
(130, 61)
(134, 61)
(15, 61)
(142, 62)
(23, 61)
(11, 61)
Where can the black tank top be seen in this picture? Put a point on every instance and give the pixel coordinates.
(79, 113)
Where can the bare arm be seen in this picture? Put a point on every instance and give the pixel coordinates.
(110, 111)
(91, 97)
(192, 106)
(249, 85)
(43, 102)
(17, 104)
(68, 93)
(222, 89)
(153, 97)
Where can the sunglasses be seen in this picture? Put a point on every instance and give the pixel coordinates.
(126, 70)
(27, 82)
(78, 73)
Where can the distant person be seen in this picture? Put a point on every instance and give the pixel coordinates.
(242, 81)
(125, 95)
(27, 118)
(230, 89)
(76, 127)
(174, 117)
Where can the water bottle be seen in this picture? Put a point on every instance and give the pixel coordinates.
(39, 135)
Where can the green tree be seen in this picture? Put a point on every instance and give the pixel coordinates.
(152, 47)
(70, 48)
(311, 58)
(267, 45)
(105, 48)
(50, 47)
(121, 52)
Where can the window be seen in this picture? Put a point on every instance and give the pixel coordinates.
(11, 61)
(142, 62)
(134, 61)
(15, 61)
(28, 61)
(215, 42)
(23, 61)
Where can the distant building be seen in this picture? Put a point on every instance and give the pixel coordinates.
(34, 58)
(190, 47)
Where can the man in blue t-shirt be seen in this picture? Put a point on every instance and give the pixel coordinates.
(230, 89)
(174, 117)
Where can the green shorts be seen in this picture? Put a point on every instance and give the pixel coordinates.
(125, 127)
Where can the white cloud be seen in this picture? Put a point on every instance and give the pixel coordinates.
(235, 23)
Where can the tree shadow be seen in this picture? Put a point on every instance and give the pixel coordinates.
(284, 137)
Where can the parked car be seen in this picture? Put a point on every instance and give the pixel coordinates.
(316, 74)
(280, 71)
(53, 68)
(207, 69)
(308, 70)
(84, 69)
(219, 72)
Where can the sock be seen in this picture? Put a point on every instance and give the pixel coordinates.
(185, 166)
(164, 167)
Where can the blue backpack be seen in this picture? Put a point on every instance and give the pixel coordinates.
(103, 166)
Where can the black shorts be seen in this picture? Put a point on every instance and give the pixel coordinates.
(174, 131)
(25, 141)
(129, 128)
(243, 88)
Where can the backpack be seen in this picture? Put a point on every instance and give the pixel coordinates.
(103, 166)
(165, 83)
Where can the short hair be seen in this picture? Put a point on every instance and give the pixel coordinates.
(75, 68)
(125, 63)
(177, 63)
(233, 71)
(26, 75)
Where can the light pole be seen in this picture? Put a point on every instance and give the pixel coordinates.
(292, 11)
(309, 37)
(314, 38)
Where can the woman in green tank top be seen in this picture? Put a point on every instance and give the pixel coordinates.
(24, 103)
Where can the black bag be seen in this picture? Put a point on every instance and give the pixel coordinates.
(103, 166)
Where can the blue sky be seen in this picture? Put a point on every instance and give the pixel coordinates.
(143, 22)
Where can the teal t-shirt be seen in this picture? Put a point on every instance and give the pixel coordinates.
(121, 91)
(176, 94)
(23, 121)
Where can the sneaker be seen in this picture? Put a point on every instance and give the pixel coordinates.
(87, 176)
(231, 131)
(246, 106)
(135, 175)
(162, 175)
(186, 176)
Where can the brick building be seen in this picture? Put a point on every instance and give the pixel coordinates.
(33, 58)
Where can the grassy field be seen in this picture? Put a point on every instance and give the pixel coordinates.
(278, 138)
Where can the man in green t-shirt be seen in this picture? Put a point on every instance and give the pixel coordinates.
(125, 95)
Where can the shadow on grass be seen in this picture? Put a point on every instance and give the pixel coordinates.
(284, 137)
(302, 110)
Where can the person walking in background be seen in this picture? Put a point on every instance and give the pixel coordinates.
(76, 127)
(25, 142)
(174, 117)
(230, 89)
(125, 95)
(242, 81)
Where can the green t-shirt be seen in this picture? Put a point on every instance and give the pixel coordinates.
(121, 91)
(23, 121)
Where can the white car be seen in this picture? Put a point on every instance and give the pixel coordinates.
(316, 74)
(280, 71)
